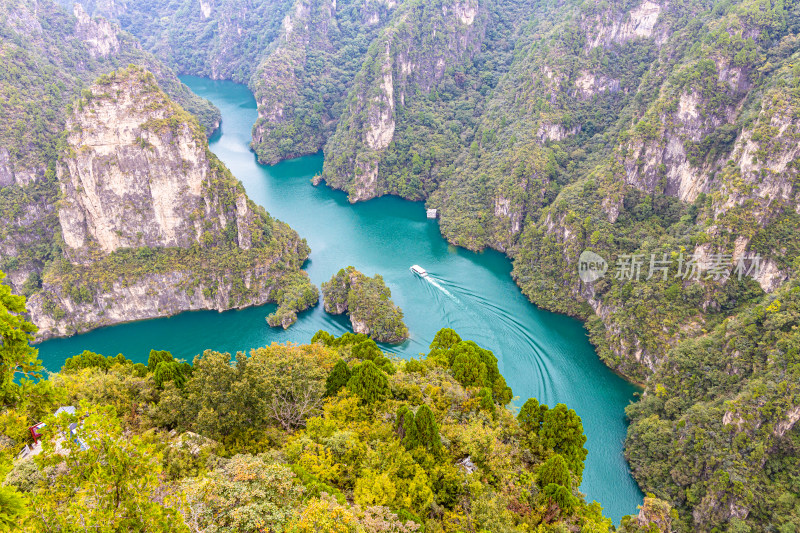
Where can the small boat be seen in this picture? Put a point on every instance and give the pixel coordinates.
(419, 271)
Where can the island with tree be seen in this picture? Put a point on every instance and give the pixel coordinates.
(368, 302)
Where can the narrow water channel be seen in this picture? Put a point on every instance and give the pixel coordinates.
(541, 354)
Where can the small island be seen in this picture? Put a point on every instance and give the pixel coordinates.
(368, 302)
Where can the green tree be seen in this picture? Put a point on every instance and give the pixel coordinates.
(16, 333)
(427, 430)
(369, 383)
(210, 406)
(406, 427)
(445, 339)
(554, 470)
(501, 391)
(86, 359)
(173, 371)
(562, 432)
(157, 356)
(486, 400)
(337, 379)
(531, 415)
(107, 481)
(323, 337)
(562, 500)
(367, 349)
(468, 368)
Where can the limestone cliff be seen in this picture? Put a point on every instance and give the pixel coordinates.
(407, 60)
(152, 223)
(138, 174)
(46, 56)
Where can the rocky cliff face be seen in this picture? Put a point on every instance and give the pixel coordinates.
(139, 174)
(152, 223)
(98, 34)
(411, 54)
(48, 55)
(79, 298)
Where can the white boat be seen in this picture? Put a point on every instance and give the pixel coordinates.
(419, 271)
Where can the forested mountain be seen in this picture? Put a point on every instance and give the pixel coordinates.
(221, 39)
(152, 223)
(635, 129)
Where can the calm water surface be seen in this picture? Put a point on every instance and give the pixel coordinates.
(541, 354)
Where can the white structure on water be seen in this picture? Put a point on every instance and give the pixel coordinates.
(419, 271)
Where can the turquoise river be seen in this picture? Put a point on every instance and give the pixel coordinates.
(541, 354)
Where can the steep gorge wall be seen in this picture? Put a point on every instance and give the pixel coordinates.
(139, 175)
(302, 84)
(405, 62)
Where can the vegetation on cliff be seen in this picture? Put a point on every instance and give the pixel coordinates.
(295, 293)
(368, 303)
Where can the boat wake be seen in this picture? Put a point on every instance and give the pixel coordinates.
(436, 284)
(502, 332)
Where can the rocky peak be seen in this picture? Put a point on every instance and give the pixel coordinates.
(137, 173)
(613, 27)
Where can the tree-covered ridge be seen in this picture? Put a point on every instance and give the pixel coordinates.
(413, 100)
(299, 57)
(302, 83)
(718, 433)
(368, 303)
(328, 436)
